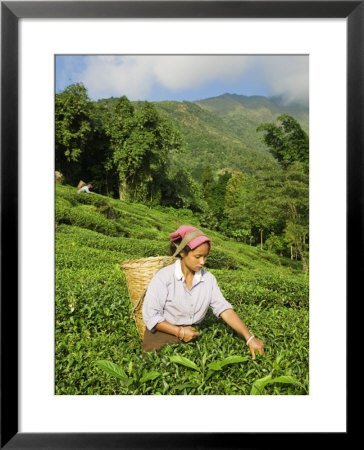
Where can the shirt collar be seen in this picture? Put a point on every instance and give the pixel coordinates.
(179, 274)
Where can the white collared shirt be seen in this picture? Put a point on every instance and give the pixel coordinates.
(167, 297)
(179, 274)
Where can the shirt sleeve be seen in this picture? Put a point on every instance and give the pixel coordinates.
(154, 302)
(218, 302)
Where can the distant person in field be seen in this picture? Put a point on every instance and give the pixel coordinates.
(179, 295)
(86, 188)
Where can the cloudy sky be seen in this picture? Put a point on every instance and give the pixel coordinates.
(185, 77)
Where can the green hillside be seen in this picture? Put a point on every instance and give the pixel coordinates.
(262, 109)
(243, 114)
(94, 234)
(207, 138)
(221, 131)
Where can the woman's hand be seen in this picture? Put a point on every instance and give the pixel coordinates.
(232, 319)
(256, 344)
(190, 334)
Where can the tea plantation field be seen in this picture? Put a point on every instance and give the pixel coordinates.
(97, 347)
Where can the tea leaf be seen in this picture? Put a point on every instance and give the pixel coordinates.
(149, 376)
(258, 385)
(285, 379)
(112, 369)
(216, 365)
(233, 360)
(178, 359)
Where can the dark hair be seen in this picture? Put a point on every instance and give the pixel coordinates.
(175, 244)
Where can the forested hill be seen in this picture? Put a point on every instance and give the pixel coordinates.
(222, 130)
(255, 109)
(207, 139)
(243, 114)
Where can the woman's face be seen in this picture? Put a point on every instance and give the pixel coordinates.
(196, 258)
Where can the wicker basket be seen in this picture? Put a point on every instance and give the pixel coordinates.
(138, 274)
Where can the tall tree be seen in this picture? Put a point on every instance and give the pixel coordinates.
(140, 143)
(184, 191)
(295, 199)
(94, 161)
(72, 126)
(253, 207)
(287, 141)
(119, 126)
(236, 206)
(216, 200)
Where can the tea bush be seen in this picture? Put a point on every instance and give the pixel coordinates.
(97, 347)
(265, 288)
(75, 199)
(220, 260)
(87, 218)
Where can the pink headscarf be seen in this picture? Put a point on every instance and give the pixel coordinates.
(185, 229)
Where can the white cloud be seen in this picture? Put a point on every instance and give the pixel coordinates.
(137, 76)
(186, 72)
(287, 76)
(115, 76)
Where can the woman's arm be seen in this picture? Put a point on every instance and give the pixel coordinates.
(167, 327)
(187, 332)
(233, 320)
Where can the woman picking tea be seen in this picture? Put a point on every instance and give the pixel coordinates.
(179, 295)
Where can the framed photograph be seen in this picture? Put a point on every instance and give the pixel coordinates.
(330, 35)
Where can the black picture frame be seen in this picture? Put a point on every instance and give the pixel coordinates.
(11, 12)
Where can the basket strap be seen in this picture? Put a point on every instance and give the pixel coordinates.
(140, 301)
(187, 239)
